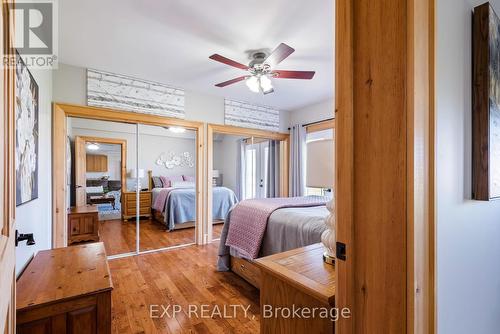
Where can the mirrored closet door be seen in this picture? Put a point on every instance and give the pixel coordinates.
(167, 169)
(100, 158)
(244, 167)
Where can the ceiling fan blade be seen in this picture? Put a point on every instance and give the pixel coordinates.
(279, 54)
(230, 82)
(307, 75)
(228, 61)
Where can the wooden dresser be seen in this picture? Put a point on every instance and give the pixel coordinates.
(83, 224)
(65, 290)
(129, 204)
(298, 278)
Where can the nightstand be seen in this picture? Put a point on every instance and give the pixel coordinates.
(129, 204)
(296, 279)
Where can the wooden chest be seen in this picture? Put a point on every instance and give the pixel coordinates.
(129, 204)
(83, 224)
(65, 290)
(296, 279)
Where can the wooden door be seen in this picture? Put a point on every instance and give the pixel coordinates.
(384, 115)
(7, 190)
(80, 170)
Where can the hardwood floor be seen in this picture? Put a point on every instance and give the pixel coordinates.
(119, 236)
(184, 277)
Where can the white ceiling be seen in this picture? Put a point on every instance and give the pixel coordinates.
(170, 41)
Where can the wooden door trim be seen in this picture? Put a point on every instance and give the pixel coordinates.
(61, 111)
(244, 132)
(8, 188)
(419, 23)
(344, 160)
(117, 141)
(421, 167)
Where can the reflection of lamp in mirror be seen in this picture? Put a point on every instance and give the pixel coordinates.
(137, 174)
(215, 176)
(320, 172)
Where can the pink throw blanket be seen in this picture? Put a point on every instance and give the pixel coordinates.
(248, 220)
(161, 199)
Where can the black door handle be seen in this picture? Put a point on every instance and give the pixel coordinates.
(30, 240)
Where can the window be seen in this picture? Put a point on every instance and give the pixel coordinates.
(314, 136)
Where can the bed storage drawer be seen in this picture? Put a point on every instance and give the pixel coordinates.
(246, 269)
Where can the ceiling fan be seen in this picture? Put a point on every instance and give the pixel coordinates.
(262, 68)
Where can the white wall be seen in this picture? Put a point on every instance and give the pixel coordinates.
(36, 216)
(153, 141)
(313, 113)
(70, 87)
(468, 232)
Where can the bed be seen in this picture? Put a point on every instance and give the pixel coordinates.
(289, 225)
(176, 206)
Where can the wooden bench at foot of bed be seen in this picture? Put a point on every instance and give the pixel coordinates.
(247, 270)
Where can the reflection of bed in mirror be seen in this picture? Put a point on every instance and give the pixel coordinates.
(261, 227)
(174, 203)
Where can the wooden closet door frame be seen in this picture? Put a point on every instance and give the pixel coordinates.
(387, 289)
(61, 112)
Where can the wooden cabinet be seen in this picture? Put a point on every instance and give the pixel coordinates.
(97, 163)
(65, 290)
(129, 204)
(296, 279)
(83, 224)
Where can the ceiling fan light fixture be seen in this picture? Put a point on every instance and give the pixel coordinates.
(253, 84)
(266, 85)
(262, 68)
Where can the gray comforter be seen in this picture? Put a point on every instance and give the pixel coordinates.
(286, 229)
(180, 206)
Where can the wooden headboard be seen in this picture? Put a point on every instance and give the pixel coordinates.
(150, 180)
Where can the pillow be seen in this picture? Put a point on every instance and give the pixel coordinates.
(165, 182)
(157, 182)
(188, 178)
(176, 178)
(94, 190)
(183, 184)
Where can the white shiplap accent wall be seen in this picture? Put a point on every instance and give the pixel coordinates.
(116, 91)
(251, 116)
